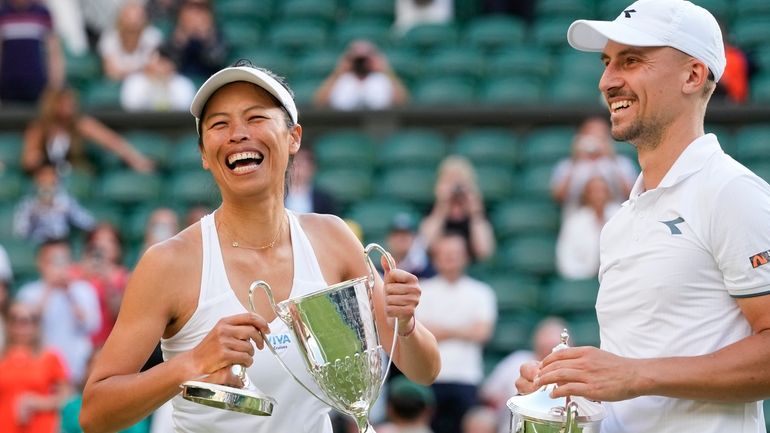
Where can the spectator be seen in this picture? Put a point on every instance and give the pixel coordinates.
(303, 195)
(60, 131)
(50, 212)
(30, 52)
(500, 385)
(460, 312)
(33, 378)
(69, 24)
(102, 266)
(592, 152)
(410, 407)
(459, 208)
(127, 47)
(410, 13)
(68, 308)
(407, 248)
(480, 419)
(70, 412)
(362, 79)
(734, 85)
(196, 45)
(577, 247)
(99, 17)
(162, 224)
(195, 213)
(158, 87)
(6, 277)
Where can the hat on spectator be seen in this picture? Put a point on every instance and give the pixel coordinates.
(403, 388)
(677, 24)
(242, 73)
(402, 221)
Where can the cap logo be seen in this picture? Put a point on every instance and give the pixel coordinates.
(627, 12)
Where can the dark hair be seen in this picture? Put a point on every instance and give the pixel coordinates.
(112, 229)
(247, 63)
(409, 407)
(51, 242)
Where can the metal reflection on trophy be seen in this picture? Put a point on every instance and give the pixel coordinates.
(336, 332)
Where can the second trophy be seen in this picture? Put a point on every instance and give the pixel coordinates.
(336, 331)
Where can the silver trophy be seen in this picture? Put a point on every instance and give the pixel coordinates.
(336, 332)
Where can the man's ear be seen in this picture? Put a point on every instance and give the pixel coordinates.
(295, 138)
(696, 78)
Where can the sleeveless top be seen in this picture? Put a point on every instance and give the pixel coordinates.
(295, 410)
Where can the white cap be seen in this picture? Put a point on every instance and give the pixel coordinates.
(242, 73)
(657, 23)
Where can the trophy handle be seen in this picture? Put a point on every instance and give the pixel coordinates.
(367, 251)
(269, 292)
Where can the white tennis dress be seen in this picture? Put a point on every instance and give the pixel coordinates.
(295, 409)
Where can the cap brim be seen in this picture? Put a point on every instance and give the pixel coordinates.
(590, 35)
(247, 74)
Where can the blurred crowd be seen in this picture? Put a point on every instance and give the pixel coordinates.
(53, 324)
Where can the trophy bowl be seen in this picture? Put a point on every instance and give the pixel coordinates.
(336, 332)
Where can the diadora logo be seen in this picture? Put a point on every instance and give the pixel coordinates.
(279, 341)
(760, 259)
(672, 225)
(628, 12)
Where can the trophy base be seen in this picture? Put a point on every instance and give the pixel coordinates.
(229, 398)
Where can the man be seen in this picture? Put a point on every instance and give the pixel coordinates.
(407, 247)
(69, 308)
(460, 312)
(683, 305)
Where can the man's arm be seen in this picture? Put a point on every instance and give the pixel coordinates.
(735, 373)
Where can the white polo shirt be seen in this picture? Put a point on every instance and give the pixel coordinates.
(672, 261)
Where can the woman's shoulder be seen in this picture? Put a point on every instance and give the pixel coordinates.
(177, 255)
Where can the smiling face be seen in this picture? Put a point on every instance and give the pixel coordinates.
(246, 140)
(643, 88)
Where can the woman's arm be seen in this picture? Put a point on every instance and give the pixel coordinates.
(32, 154)
(158, 295)
(98, 132)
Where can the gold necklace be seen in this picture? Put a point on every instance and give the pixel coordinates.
(236, 244)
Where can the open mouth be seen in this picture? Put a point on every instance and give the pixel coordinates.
(244, 161)
(619, 106)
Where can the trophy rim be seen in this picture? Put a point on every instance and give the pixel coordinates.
(347, 283)
(222, 397)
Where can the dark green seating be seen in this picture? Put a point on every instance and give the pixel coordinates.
(191, 188)
(512, 90)
(296, 36)
(518, 217)
(375, 215)
(488, 146)
(255, 11)
(444, 91)
(547, 144)
(426, 37)
(12, 185)
(22, 255)
(534, 181)
(11, 144)
(102, 94)
(323, 10)
(372, 9)
(752, 143)
(374, 30)
(527, 61)
(454, 62)
(494, 32)
(129, 187)
(570, 9)
(413, 185)
(550, 32)
(276, 60)
(413, 147)
(346, 185)
(496, 182)
(515, 291)
(344, 148)
(534, 254)
(567, 297)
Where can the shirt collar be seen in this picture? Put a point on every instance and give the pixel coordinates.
(690, 161)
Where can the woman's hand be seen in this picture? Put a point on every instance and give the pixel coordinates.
(402, 294)
(227, 344)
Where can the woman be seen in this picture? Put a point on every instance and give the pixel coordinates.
(58, 135)
(102, 266)
(459, 208)
(191, 291)
(33, 381)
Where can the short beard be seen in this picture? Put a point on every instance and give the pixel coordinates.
(642, 134)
